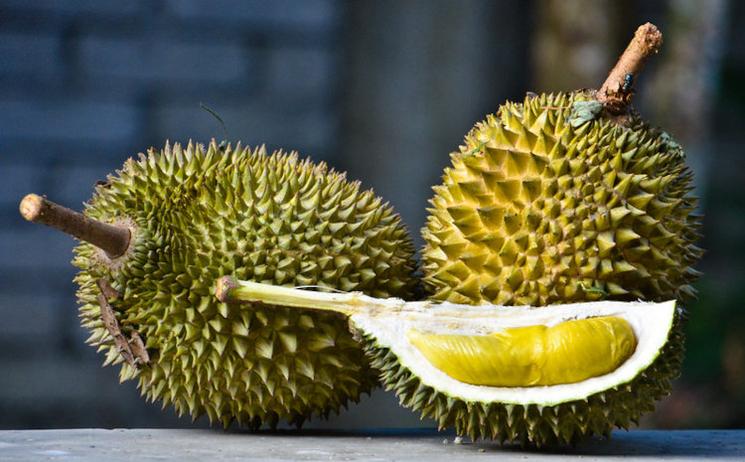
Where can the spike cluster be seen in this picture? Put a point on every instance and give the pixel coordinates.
(561, 424)
(535, 211)
(197, 214)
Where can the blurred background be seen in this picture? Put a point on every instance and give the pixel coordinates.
(384, 90)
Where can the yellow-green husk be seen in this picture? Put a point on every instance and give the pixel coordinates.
(535, 211)
(199, 213)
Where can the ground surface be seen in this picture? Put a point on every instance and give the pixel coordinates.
(194, 445)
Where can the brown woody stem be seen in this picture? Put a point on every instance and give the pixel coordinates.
(112, 325)
(616, 91)
(133, 349)
(138, 348)
(113, 240)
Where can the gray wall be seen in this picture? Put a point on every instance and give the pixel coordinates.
(382, 89)
(419, 74)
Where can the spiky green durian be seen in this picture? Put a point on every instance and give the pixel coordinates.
(545, 204)
(562, 412)
(539, 207)
(197, 213)
(561, 198)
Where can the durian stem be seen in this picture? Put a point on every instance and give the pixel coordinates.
(230, 289)
(617, 90)
(112, 325)
(114, 240)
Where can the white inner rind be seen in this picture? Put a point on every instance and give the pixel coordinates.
(651, 323)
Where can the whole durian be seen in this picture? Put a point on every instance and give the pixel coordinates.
(558, 199)
(169, 224)
(562, 198)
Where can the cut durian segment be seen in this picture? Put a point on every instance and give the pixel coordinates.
(569, 352)
(636, 333)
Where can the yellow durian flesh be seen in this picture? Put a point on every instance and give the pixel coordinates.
(568, 352)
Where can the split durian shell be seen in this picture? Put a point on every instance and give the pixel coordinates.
(557, 414)
(540, 415)
(541, 207)
(198, 213)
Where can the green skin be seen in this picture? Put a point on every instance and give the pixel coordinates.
(196, 214)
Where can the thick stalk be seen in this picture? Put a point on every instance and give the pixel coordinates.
(617, 90)
(230, 289)
(114, 240)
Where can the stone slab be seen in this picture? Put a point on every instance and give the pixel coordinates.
(116, 445)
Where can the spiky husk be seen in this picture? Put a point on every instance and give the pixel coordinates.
(531, 424)
(199, 214)
(534, 211)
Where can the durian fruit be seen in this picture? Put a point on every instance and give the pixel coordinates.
(165, 227)
(533, 375)
(562, 198)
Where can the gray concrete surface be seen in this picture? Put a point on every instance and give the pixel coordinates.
(194, 445)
